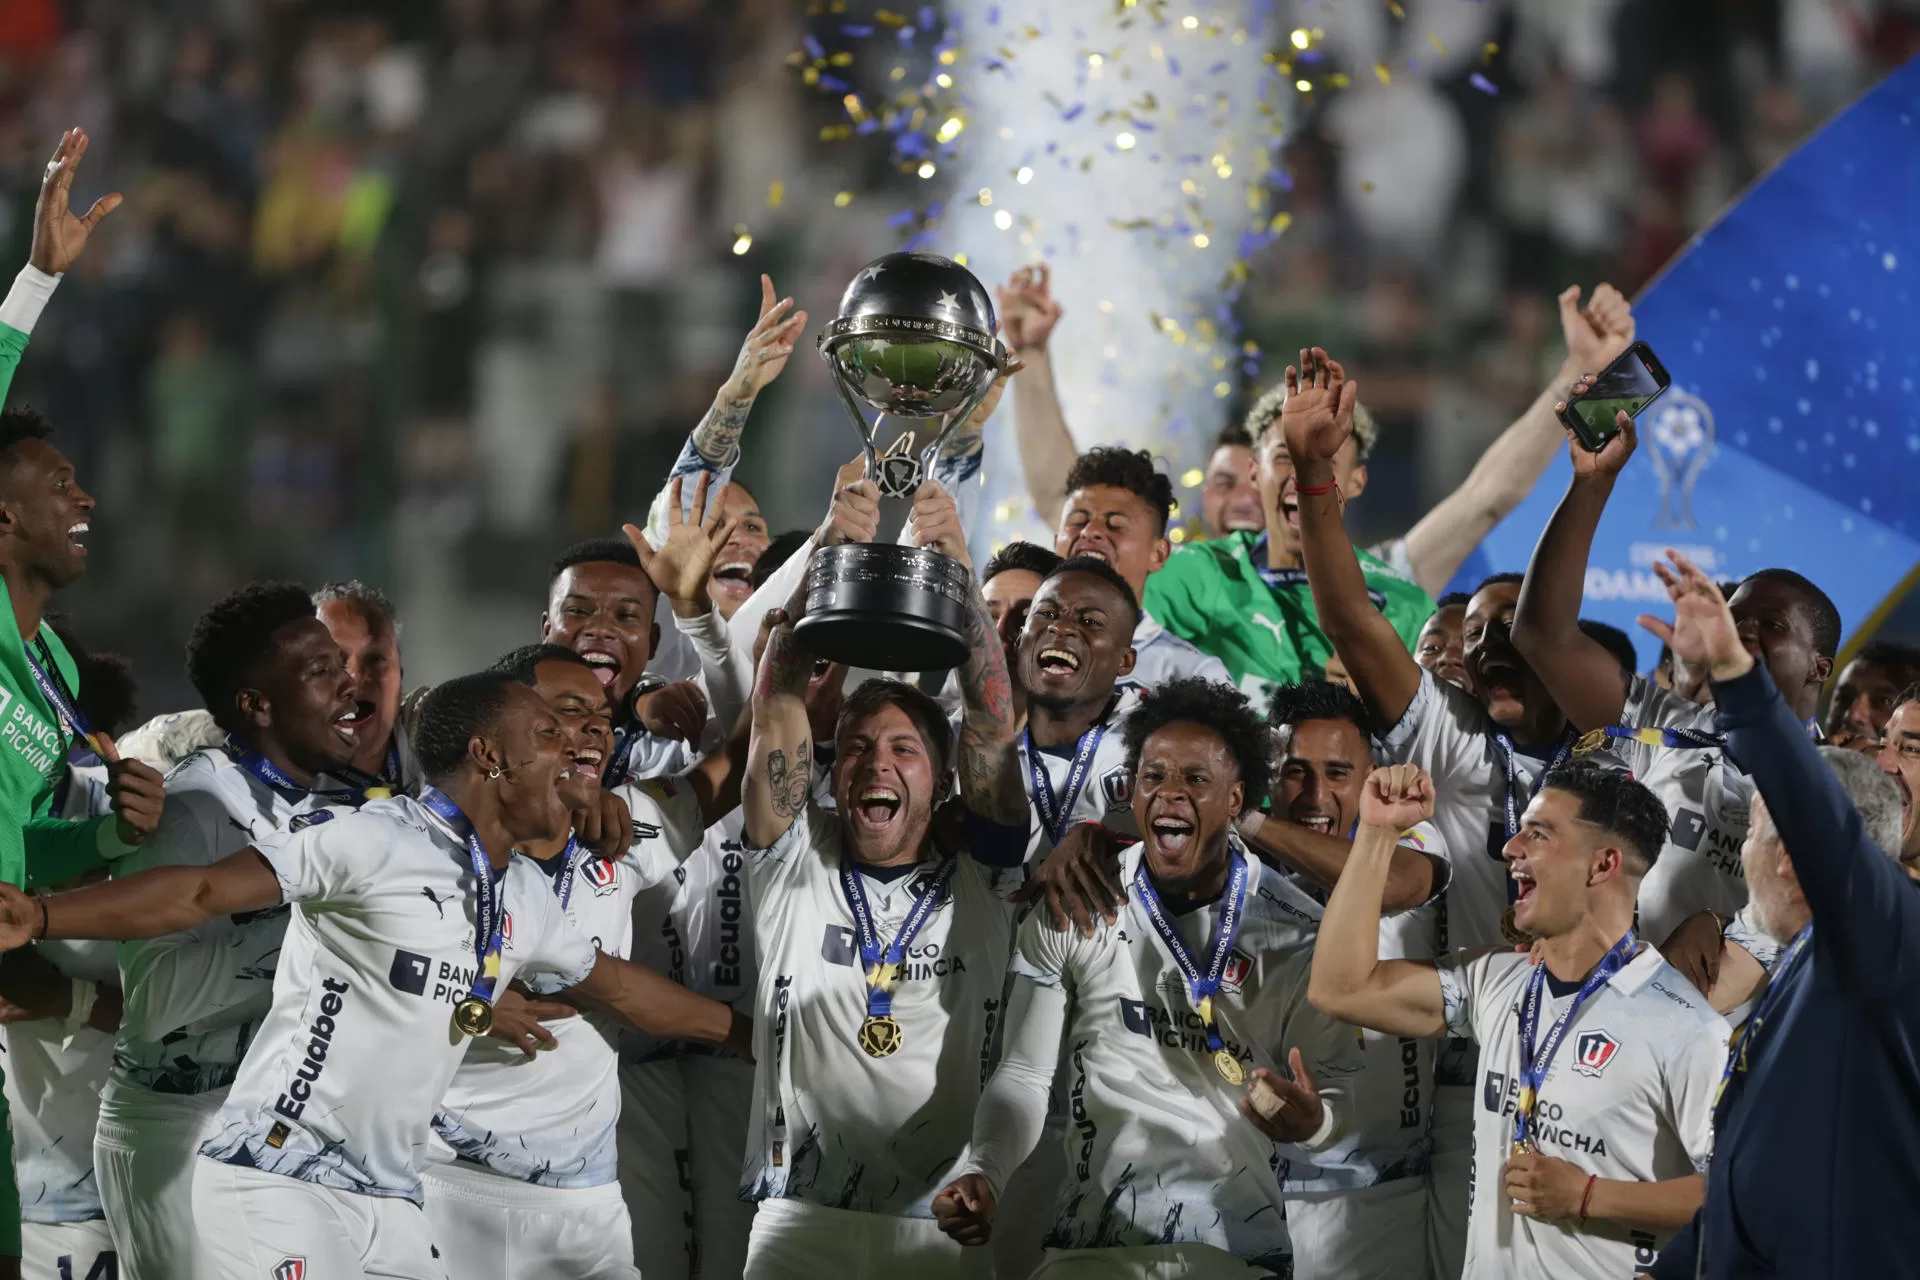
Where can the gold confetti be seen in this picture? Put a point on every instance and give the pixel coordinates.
(1300, 38)
(1221, 390)
(1192, 478)
(888, 18)
(742, 240)
(1200, 241)
(1394, 9)
(1438, 48)
(854, 108)
(1487, 51)
(1003, 220)
(1176, 535)
(950, 130)
(1366, 186)
(1023, 175)
(986, 195)
(841, 199)
(776, 192)
(926, 169)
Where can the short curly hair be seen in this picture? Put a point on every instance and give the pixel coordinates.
(1219, 707)
(1128, 469)
(1094, 566)
(1612, 800)
(454, 713)
(231, 638)
(1265, 414)
(1020, 554)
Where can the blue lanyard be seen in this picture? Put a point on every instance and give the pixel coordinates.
(1737, 1056)
(53, 687)
(1201, 984)
(882, 963)
(490, 916)
(1534, 1065)
(266, 771)
(569, 864)
(620, 760)
(1280, 579)
(1056, 812)
(362, 786)
(1503, 747)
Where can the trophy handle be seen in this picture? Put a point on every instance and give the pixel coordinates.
(931, 454)
(866, 429)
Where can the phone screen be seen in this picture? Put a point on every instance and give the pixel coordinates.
(1626, 384)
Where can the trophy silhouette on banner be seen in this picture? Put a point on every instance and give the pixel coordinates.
(914, 339)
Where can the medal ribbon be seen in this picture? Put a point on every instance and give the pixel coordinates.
(266, 771)
(53, 687)
(1201, 986)
(363, 786)
(1056, 812)
(882, 964)
(569, 863)
(1504, 748)
(1278, 579)
(1737, 1055)
(1534, 1064)
(490, 916)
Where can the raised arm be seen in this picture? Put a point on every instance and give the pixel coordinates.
(1027, 316)
(679, 567)
(1350, 981)
(1865, 906)
(1412, 876)
(780, 749)
(147, 904)
(658, 1006)
(1580, 673)
(1505, 474)
(1317, 420)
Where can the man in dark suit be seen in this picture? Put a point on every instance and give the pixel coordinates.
(1814, 1170)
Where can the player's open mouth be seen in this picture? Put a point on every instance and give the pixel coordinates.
(1290, 511)
(735, 577)
(876, 807)
(587, 762)
(1172, 835)
(346, 723)
(606, 667)
(1057, 662)
(1323, 825)
(75, 534)
(361, 714)
(1092, 553)
(1500, 677)
(1523, 885)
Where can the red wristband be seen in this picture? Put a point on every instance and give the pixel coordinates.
(1315, 490)
(1586, 1196)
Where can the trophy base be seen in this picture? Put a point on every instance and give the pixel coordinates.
(886, 607)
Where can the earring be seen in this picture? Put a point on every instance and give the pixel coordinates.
(493, 773)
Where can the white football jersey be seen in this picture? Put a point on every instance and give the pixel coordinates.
(1157, 1150)
(1106, 796)
(195, 1000)
(1160, 656)
(1390, 1098)
(340, 1086)
(1628, 1096)
(53, 1080)
(1448, 733)
(830, 1124)
(550, 1119)
(1706, 799)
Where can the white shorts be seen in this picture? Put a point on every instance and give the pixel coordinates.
(1375, 1233)
(494, 1228)
(1146, 1262)
(67, 1251)
(264, 1226)
(1029, 1205)
(145, 1151)
(795, 1240)
(1449, 1174)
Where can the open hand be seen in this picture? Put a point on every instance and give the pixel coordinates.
(1541, 1186)
(934, 523)
(59, 236)
(1318, 416)
(517, 1017)
(684, 560)
(1027, 309)
(1285, 1110)
(855, 513)
(1703, 632)
(964, 1209)
(137, 791)
(1079, 881)
(766, 349)
(1396, 796)
(1597, 335)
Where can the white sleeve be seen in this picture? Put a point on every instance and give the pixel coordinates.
(727, 683)
(1744, 931)
(688, 465)
(743, 628)
(1012, 1111)
(32, 288)
(1443, 730)
(667, 827)
(1426, 838)
(324, 854)
(1463, 981)
(653, 756)
(1693, 1082)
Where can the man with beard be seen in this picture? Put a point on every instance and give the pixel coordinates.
(1899, 759)
(1487, 748)
(882, 961)
(276, 686)
(1864, 692)
(1672, 744)
(313, 1159)
(1171, 1148)
(523, 1175)
(1229, 497)
(1117, 509)
(1438, 649)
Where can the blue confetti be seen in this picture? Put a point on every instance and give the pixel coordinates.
(833, 83)
(901, 219)
(993, 16)
(1484, 85)
(1173, 66)
(869, 125)
(911, 144)
(812, 47)
(926, 18)
(1073, 112)
(1216, 68)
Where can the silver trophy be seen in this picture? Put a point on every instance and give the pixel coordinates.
(914, 339)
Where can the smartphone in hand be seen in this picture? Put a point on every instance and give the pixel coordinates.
(1630, 383)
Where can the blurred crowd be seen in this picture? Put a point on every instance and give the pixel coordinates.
(460, 274)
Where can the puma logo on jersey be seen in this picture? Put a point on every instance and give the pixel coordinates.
(289, 1269)
(1272, 625)
(439, 903)
(1593, 1051)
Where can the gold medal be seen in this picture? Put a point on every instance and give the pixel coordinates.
(1229, 1067)
(880, 1037)
(1590, 742)
(473, 1017)
(1521, 1147)
(1512, 932)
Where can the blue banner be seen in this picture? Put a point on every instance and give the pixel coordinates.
(1791, 436)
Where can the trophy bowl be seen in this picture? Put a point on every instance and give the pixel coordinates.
(914, 338)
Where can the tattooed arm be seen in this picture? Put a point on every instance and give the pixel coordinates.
(762, 356)
(780, 751)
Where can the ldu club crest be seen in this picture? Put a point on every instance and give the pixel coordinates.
(1681, 435)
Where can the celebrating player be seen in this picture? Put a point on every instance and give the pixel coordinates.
(1597, 1064)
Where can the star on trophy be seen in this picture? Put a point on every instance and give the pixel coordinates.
(914, 339)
